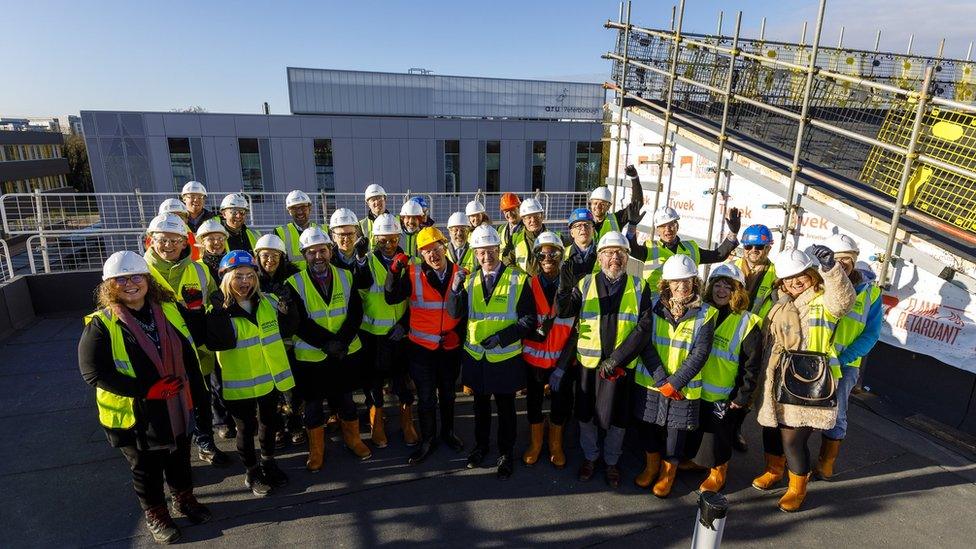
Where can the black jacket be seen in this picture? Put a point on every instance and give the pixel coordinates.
(631, 213)
(719, 254)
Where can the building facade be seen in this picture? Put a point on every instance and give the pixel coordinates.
(353, 131)
(32, 160)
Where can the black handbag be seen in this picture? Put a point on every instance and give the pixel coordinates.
(805, 379)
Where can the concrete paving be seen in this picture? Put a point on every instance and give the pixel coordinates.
(64, 485)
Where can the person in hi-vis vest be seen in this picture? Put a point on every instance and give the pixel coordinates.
(194, 197)
(434, 348)
(138, 352)
(246, 329)
(608, 304)
(233, 216)
(857, 333)
(600, 203)
(729, 377)
(458, 246)
(495, 304)
(581, 252)
(299, 207)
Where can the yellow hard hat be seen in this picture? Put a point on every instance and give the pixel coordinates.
(429, 235)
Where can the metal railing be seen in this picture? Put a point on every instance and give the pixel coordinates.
(6, 263)
(81, 251)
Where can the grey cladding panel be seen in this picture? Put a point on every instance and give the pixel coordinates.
(184, 125)
(220, 125)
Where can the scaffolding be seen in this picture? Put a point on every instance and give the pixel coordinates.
(894, 130)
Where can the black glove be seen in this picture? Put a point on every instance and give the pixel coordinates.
(336, 349)
(362, 246)
(555, 378)
(631, 171)
(823, 254)
(397, 333)
(734, 221)
(567, 278)
(217, 301)
(508, 250)
(545, 326)
(491, 342)
(459, 277)
(607, 367)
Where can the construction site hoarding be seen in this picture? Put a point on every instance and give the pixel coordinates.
(326, 91)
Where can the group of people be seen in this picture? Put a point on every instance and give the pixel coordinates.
(216, 329)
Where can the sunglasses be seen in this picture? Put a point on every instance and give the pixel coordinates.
(547, 255)
(125, 280)
(754, 247)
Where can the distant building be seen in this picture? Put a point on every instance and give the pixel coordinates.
(71, 124)
(41, 124)
(32, 160)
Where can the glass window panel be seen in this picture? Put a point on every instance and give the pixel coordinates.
(180, 161)
(250, 164)
(539, 165)
(452, 166)
(324, 166)
(493, 160)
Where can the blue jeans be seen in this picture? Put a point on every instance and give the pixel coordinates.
(844, 387)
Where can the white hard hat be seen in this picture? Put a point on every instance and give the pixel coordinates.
(792, 262)
(167, 223)
(385, 225)
(613, 239)
(411, 208)
(485, 236)
(665, 215)
(312, 236)
(173, 206)
(474, 207)
(679, 267)
(270, 242)
(235, 200)
(548, 238)
(530, 206)
(600, 193)
(194, 187)
(374, 190)
(728, 270)
(297, 197)
(343, 217)
(210, 226)
(124, 263)
(841, 243)
(457, 219)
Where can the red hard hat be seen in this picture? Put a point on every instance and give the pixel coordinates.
(509, 201)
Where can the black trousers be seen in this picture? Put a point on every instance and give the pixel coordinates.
(435, 373)
(150, 467)
(292, 418)
(255, 416)
(221, 416)
(340, 403)
(668, 441)
(790, 442)
(505, 406)
(383, 359)
(560, 402)
(711, 444)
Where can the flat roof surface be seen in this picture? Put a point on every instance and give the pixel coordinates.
(65, 486)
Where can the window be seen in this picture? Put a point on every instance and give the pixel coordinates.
(539, 165)
(493, 161)
(250, 164)
(589, 154)
(324, 168)
(452, 166)
(180, 161)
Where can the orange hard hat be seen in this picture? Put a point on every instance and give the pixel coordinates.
(509, 201)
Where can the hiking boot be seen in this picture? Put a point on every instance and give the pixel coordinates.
(208, 452)
(184, 503)
(272, 474)
(255, 480)
(161, 525)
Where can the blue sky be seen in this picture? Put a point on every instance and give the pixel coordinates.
(230, 57)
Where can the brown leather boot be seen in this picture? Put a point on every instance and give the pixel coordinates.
(350, 435)
(378, 430)
(410, 436)
(793, 498)
(556, 455)
(652, 465)
(531, 454)
(829, 448)
(160, 524)
(775, 468)
(665, 479)
(316, 449)
(715, 480)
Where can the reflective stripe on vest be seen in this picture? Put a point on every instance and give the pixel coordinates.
(673, 344)
(610, 223)
(853, 323)
(194, 276)
(658, 254)
(429, 321)
(378, 317)
(487, 319)
(718, 375)
(257, 364)
(327, 315)
(544, 354)
(117, 411)
(820, 326)
(290, 234)
(589, 347)
(764, 295)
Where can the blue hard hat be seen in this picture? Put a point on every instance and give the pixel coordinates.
(234, 259)
(580, 214)
(422, 201)
(757, 235)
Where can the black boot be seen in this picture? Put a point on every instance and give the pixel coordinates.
(208, 452)
(476, 457)
(161, 525)
(273, 475)
(506, 465)
(256, 482)
(452, 441)
(428, 426)
(184, 503)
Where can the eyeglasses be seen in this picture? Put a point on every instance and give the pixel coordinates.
(236, 211)
(432, 250)
(754, 247)
(387, 241)
(339, 235)
(547, 255)
(609, 252)
(125, 280)
(249, 277)
(169, 241)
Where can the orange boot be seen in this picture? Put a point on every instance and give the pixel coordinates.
(829, 448)
(316, 449)
(410, 436)
(665, 479)
(793, 498)
(715, 480)
(531, 454)
(652, 465)
(378, 431)
(556, 455)
(350, 435)
(775, 468)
